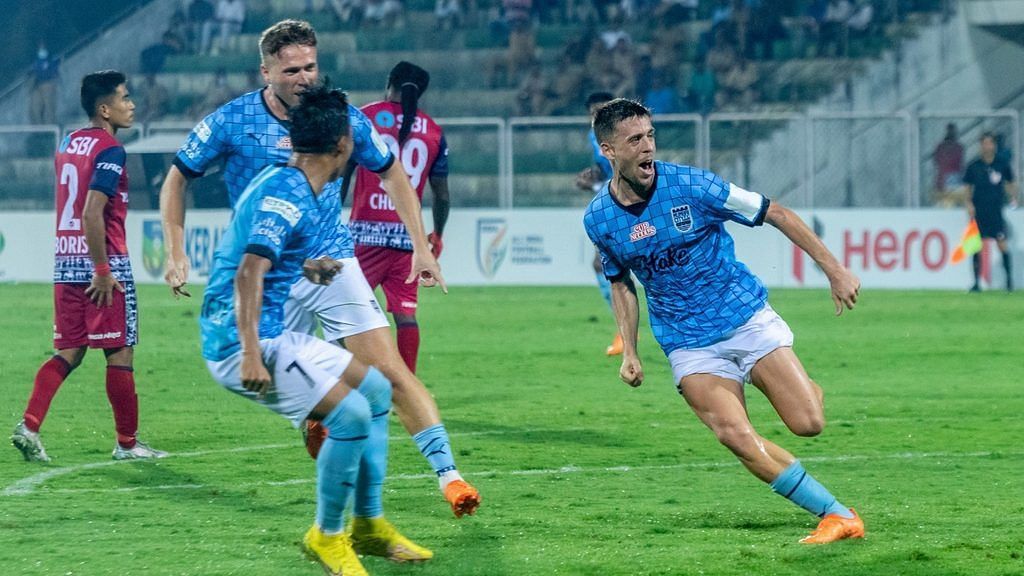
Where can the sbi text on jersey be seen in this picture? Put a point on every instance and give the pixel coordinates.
(82, 145)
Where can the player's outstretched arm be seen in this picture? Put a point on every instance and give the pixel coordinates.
(172, 216)
(845, 285)
(626, 306)
(440, 211)
(101, 287)
(248, 308)
(407, 205)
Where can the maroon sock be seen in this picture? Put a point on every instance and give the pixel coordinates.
(409, 344)
(121, 393)
(48, 380)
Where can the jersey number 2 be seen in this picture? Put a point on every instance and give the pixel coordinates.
(69, 179)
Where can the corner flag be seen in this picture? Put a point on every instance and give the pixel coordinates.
(970, 244)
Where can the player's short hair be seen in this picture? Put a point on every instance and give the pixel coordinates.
(411, 81)
(319, 120)
(599, 98)
(990, 135)
(99, 86)
(286, 33)
(609, 116)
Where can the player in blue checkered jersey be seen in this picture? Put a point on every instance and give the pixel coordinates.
(249, 351)
(252, 132)
(665, 224)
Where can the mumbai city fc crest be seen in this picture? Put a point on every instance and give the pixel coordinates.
(153, 247)
(681, 218)
(491, 244)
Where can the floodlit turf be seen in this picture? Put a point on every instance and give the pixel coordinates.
(580, 474)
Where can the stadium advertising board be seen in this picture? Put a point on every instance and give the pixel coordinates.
(885, 248)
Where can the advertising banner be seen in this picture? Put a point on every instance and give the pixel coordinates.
(885, 248)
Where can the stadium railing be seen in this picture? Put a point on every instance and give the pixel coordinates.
(806, 160)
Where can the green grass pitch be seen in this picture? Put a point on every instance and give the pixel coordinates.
(580, 474)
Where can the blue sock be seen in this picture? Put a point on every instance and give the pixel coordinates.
(374, 465)
(433, 444)
(348, 426)
(605, 286)
(800, 488)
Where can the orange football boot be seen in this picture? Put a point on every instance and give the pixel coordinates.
(313, 435)
(834, 527)
(464, 498)
(615, 348)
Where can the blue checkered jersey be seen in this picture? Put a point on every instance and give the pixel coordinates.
(279, 218)
(249, 138)
(677, 246)
(599, 159)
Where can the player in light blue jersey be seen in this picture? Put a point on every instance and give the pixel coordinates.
(592, 179)
(249, 351)
(710, 314)
(252, 132)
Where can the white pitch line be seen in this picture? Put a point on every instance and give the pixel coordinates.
(28, 485)
(564, 470)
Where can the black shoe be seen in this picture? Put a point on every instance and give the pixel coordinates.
(975, 288)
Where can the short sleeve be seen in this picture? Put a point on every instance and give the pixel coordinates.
(207, 142)
(599, 159)
(108, 170)
(272, 224)
(368, 149)
(440, 167)
(727, 201)
(613, 269)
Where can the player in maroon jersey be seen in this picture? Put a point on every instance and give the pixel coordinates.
(383, 246)
(93, 292)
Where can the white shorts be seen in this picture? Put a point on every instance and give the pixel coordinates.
(302, 368)
(345, 307)
(735, 356)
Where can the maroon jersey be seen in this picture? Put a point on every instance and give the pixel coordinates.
(424, 155)
(90, 159)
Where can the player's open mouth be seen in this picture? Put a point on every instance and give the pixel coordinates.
(647, 166)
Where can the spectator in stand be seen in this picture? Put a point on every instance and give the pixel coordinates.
(387, 14)
(153, 58)
(201, 25)
(645, 72)
(448, 14)
(701, 92)
(662, 98)
(737, 86)
(522, 42)
(42, 108)
(766, 28)
(532, 98)
(833, 38)
(623, 64)
(669, 39)
(214, 97)
(567, 85)
(860, 21)
(722, 56)
(349, 13)
(949, 165)
(151, 99)
(230, 16)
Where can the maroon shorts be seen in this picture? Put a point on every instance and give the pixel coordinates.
(388, 268)
(78, 322)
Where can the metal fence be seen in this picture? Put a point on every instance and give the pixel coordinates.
(855, 160)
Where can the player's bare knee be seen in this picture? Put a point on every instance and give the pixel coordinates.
(808, 425)
(738, 437)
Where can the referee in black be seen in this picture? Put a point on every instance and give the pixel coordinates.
(990, 185)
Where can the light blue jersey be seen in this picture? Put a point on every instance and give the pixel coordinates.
(599, 159)
(278, 218)
(677, 246)
(249, 138)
